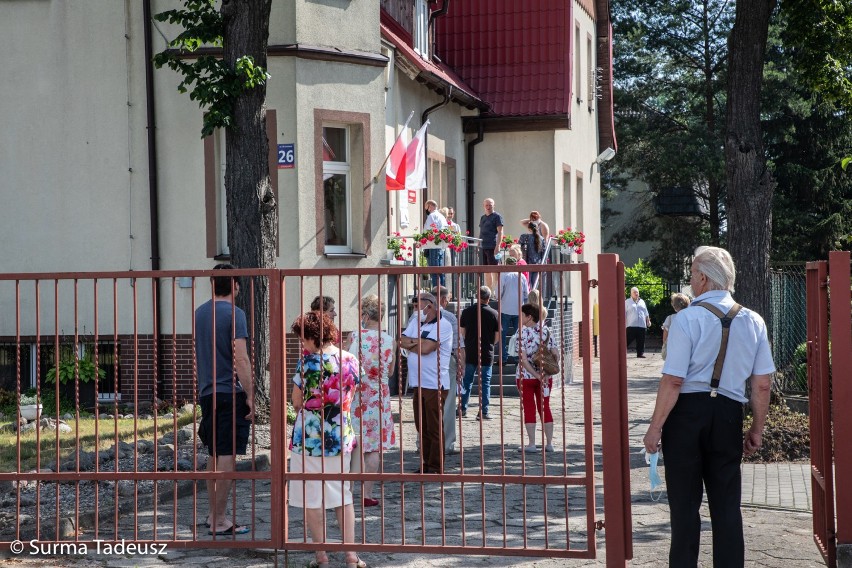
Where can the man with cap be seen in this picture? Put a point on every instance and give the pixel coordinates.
(428, 338)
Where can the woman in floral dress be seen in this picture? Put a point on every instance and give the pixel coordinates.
(373, 420)
(323, 389)
(534, 385)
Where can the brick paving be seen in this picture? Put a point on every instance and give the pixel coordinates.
(776, 500)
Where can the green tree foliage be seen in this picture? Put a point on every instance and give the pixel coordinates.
(208, 78)
(670, 103)
(806, 136)
(642, 276)
(821, 33)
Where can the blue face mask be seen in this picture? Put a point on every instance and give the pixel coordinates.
(654, 475)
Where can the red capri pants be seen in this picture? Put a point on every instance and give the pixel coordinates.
(534, 402)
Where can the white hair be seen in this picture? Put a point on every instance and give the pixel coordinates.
(717, 265)
(634, 289)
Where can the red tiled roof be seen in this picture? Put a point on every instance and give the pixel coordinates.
(433, 73)
(516, 55)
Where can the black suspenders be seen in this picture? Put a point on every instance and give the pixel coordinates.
(726, 320)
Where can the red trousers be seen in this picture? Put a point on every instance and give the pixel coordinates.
(534, 401)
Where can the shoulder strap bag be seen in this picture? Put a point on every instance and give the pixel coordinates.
(543, 359)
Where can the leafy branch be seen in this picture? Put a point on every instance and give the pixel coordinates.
(208, 79)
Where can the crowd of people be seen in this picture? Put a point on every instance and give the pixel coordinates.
(529, 248)
(342, 398)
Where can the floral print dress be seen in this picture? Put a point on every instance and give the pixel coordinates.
(324, 426)
(373, 418)
(529, 341)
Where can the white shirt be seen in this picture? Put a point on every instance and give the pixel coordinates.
(509, 283)
(435, 218)
(427, 373)
(635, 313)
(694, 340)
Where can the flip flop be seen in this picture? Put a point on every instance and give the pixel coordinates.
(232, 530)
(359, 564)
(315, 564)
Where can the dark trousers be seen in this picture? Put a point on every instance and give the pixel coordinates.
(430, 426)
(702, 449)
(637, 333)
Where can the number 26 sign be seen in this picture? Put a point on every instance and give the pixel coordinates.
(286, 156)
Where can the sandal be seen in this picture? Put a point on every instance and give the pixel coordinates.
(316, 564)
(359, 564)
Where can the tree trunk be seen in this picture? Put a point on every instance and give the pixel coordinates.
(750, 183)
(252, 210)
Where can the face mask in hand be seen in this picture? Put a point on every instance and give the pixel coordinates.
(653, 474)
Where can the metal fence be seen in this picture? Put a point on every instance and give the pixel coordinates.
(135, 468)
(788, 326)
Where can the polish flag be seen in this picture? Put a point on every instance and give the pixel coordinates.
(406, 167)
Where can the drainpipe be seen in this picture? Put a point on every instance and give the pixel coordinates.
(447, 94)
(470, 169)
(442, 11)
(153, 186)
(152, 139)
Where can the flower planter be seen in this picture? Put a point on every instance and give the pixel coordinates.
(396, 262)
(31, 411)
(566, 250)
(431, 245)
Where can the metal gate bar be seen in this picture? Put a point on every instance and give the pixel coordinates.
(822, 482)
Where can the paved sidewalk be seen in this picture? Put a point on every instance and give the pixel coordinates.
(776, 501)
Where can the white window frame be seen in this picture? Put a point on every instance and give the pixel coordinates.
(421, 28)
(344, 168)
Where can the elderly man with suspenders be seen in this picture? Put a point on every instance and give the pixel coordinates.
(714, 347)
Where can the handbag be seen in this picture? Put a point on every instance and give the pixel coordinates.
(512, 349)
(544, 360)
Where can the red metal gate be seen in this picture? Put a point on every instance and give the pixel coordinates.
(491, 498)
(830, 397)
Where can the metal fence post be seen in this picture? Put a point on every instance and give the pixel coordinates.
(614, 439)
(841, 397)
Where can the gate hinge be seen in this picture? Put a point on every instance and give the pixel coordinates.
(600, 525)
(593, 283)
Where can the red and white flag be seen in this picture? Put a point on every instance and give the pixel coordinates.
(406, 167)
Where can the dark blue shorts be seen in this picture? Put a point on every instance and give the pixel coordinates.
(231, 428)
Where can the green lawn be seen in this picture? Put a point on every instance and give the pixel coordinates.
(88, 441)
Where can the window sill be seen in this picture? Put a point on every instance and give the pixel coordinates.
(343, 255)
(224, 257)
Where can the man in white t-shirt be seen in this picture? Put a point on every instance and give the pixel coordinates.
(435, 257)
(429, 341)
(638, 319)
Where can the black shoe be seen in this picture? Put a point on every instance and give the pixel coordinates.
(483, 416)
(462, 413)
(640, 356)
